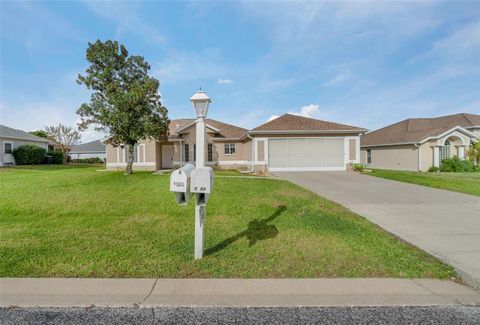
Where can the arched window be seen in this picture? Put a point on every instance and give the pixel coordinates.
(445, 151)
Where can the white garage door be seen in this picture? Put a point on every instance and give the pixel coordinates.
(304, 154)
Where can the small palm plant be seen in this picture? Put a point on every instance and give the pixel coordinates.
(474, 153)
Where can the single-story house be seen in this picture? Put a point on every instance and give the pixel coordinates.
(93, 149)
(12, 138)
(287, 143)
(416, 144)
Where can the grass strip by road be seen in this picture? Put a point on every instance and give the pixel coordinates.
(468, 183)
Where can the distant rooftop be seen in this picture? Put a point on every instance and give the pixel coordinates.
(11, 133)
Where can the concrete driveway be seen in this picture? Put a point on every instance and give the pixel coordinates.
(445, 224)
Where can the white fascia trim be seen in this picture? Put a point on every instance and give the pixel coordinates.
(307, 131)
(306, 169)
(234, 162)
(387, 144)
(82, 152)
(193, 123)
(23, 139)
(456, 128)
(226, 139)
(146, 164)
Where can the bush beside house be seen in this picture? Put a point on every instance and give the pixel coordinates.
(29, 155)
(457, 165)
(57, 156)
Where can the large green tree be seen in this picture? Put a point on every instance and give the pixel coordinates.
(125, 101)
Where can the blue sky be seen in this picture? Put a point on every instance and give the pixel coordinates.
(367, 64)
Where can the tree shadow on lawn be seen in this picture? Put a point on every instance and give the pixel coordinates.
(256, 230)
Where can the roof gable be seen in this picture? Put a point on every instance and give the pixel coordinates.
(291, 122)
(416, 130)
(222, 130)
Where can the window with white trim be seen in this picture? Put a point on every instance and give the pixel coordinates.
(135, 153)
(445, 151)
(210, 152)
(369, 156)
(194, 152)
(7, 148)
(230, 149)
(187, 152)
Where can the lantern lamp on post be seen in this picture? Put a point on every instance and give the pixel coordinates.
(200, 102)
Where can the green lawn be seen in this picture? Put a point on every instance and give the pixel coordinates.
(78, 222)
(468, 183)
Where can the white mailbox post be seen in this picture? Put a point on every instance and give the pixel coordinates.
(180, 184)
(201, 186)
(200, 102)
(199, 179)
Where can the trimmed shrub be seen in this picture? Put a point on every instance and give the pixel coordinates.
(29, 154)
(94, 160)
(57, 156)
(456, 165)
(358, 167)
(433, 169)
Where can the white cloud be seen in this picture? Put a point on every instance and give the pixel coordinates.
(224, 81)
(41, 114)
(311, 111)
(308, 110)
(271, 118)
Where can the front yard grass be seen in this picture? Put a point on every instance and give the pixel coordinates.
(77, 222)
(468, 183)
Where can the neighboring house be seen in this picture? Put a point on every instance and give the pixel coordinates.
(93, 149)
(288, 143)
(13, 138)
(420, 143)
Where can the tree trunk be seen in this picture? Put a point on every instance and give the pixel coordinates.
(129, 149)
(65, 155)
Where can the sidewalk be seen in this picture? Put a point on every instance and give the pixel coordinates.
(60, 292)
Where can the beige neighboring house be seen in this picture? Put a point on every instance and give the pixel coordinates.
(12, 138)
(417, 144)
(287, 143)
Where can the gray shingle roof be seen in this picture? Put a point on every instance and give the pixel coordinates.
(10, 133)
(93, 146)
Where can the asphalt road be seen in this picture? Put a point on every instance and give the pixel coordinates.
(332, 315)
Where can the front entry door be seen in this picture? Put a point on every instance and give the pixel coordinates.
(167, 156)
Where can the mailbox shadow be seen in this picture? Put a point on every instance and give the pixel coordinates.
(256, 230)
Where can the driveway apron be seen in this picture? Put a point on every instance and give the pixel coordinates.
(443, 223)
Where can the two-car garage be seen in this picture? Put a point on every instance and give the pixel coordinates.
(307, 154)
(297, 143)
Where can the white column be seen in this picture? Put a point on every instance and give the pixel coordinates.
(199, 220)
(461, 152)
(200, 143)
(436, 156)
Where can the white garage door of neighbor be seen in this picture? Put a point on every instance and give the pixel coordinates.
(306, 154)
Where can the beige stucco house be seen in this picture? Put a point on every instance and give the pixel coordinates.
(11, 138)
(288, 143)
(417, 144)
